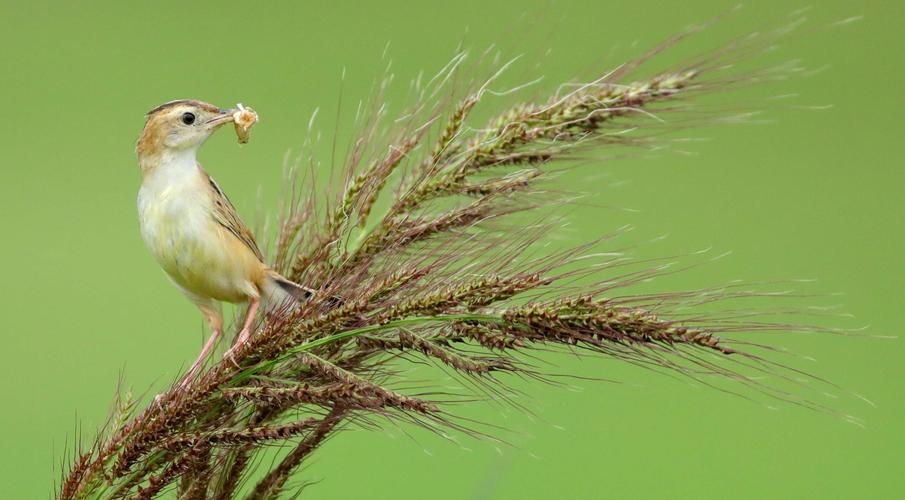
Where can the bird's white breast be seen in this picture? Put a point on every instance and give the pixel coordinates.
(174, 207)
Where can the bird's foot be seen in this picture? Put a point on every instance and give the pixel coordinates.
(230, 355)
(240, 342)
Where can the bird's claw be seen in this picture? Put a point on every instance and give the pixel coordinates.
(230, 356)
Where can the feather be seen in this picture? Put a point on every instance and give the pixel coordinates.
(225, 214)
(299, 292)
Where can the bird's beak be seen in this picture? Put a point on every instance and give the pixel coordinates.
(223, 117)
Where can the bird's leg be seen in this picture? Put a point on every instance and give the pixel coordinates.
(246, 329)
(200, 360)
(211, 311)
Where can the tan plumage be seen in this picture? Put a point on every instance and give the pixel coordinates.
(225, 215)
(190, 226)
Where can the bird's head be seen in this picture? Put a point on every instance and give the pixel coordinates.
(180, 126)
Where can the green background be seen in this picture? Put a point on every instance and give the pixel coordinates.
(812, 194)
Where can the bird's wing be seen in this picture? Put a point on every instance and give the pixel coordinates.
(225, 214)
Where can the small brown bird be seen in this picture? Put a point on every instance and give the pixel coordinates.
(191, 227)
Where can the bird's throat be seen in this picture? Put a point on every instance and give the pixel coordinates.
(169, 163)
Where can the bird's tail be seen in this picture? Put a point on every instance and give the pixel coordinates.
(280, 292)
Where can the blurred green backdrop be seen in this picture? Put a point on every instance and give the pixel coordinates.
(812, 194)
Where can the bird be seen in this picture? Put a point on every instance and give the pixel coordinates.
(192, 229)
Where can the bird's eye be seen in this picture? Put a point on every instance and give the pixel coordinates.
(188, 118)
